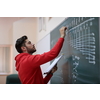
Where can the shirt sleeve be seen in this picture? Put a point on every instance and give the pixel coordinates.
(40, 59)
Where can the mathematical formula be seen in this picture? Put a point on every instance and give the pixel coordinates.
(82, 38)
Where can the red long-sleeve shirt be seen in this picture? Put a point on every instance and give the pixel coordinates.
(28, 66)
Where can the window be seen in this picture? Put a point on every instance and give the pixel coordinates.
(5, 59)
(42, 23)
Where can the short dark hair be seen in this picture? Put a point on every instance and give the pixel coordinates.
(19, 43)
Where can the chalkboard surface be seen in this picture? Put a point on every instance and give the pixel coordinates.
(80, 63)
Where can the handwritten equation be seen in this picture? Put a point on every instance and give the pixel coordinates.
(82, 38)
(75, 66)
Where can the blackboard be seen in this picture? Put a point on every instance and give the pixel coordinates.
(80, 63)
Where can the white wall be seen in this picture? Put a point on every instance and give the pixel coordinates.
(6, 29)
(50, 25)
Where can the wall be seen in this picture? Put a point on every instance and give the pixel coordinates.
(6, 29)
(50, 25)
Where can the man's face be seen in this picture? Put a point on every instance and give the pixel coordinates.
(29, 46)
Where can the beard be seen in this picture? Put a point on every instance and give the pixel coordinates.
(31, 51)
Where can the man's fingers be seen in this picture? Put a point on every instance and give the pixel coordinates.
(55, 68)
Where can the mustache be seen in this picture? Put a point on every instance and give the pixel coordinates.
(33, 46)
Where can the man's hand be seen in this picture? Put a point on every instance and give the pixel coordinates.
(62, 32)
(54, 69)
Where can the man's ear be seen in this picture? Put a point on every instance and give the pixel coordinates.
(23, 48)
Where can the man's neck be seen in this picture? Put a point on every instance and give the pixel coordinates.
(27, 52)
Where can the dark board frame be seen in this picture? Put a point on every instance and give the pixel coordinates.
(80, 64)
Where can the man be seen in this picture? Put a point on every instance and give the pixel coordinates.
(28, 65)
